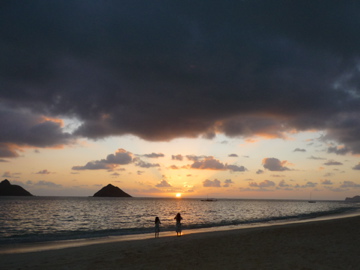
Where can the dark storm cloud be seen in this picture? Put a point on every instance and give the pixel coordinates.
(22, 128)
(7, 151)
(338, 150)
(166, 69)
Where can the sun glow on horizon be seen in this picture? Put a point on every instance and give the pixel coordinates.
(178, 195)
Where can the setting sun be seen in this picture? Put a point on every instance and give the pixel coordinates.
(178, 195)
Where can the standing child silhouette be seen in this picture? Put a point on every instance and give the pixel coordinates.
(178, 224)
(157, 227)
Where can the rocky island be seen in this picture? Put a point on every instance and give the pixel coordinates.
(353, 199)
(111, 191)
(7, 189)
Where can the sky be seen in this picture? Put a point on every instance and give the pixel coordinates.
(226, 99)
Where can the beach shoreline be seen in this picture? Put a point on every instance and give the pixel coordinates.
(61, 244)
(319, 244)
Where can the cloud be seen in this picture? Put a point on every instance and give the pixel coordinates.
(316, 158)
(309, 185)
(282, 183)
(154, 155)
(277, 175)
(228, 182)
(356, 167)
(163, 183)
(349, 184)
(332, 163)
(8, 150)
(196, 158)
(299, 150)
(211, 183)
(264, 184)
(94, 165)
(210, 163)
(235, 168)
(233, 155)
(274, 164)
(46, 184)
(326, 182)
(183, 70)
(23, 128)
(121, 157)
(6, 174)
(43, 172)
(259, 171)
(339, 150)
(177, 157)
(143, 164)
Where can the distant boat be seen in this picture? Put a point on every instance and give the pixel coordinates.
(209, 200)
(311, 201)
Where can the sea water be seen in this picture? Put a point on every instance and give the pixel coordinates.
(38, 219)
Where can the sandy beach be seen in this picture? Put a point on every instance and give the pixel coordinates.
(329, 244)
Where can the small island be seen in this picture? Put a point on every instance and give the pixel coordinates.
(111, 191)
(353, 199)
(7, 189)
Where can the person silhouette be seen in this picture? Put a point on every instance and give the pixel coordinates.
(157, 227)
(178, 219)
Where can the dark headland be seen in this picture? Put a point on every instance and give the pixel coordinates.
(111, 191)
(353, 199)
(7, 189)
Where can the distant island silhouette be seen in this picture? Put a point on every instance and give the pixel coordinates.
(353, 199)
(111, 191)
(7, 189)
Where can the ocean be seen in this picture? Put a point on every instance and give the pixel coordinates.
(41, 219)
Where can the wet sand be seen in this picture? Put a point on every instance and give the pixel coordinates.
(328, 244)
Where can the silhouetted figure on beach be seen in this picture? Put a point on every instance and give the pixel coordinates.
(157, 227)
(178, 224)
